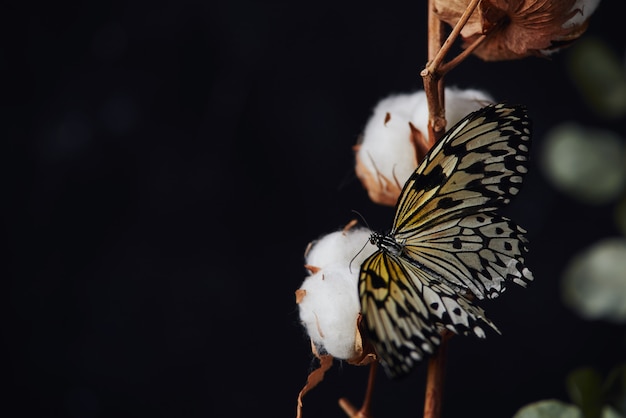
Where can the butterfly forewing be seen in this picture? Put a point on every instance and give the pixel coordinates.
(476, 167)
(447, 242)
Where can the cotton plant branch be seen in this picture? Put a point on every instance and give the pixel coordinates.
(436, 69)
(435, 378)
(365, 410)
(434, 87)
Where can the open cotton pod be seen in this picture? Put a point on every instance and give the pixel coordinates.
(395, 135)
(328, 301)
(516, 29)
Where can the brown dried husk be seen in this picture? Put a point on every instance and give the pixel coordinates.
(380, 189)
(515, 28)
(365, 354)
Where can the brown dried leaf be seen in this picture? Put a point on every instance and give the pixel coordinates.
(315, 377)
(308, 248)
(450, 11)
(515, 28)
(349, 226)
(312, 269)
(365, 352)
(300, 294)
(379, 188)
(420, 143)
(387, 118)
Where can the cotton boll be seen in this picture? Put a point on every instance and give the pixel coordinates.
(386, 145)
(328, 299)
(330, 308)
(386, 155)
(340, 247)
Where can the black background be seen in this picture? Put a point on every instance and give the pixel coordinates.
(166, 165)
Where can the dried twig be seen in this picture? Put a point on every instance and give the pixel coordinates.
(435, 379)
(365, 411)
(435, 69)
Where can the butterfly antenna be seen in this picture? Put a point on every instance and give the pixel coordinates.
(362, 218)
(355, 256)
(364, 245)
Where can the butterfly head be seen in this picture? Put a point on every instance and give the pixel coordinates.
(386, 243)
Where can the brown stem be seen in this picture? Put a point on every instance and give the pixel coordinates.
(436, 114)
(367, 403)
(435, 33)
(435, 378)
(365, 411)
(435, 70)
(448, 66)
(433, 66)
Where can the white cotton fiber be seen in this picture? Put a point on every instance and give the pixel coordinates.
(339, 247)
(330, 305)
(330, 308)
(387, 147)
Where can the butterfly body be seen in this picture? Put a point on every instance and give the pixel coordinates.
(448, 245)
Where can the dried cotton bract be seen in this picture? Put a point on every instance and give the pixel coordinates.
(328, 299)
(387, 155)
(519, 28)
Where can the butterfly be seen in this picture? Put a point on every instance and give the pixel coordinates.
(448, 246)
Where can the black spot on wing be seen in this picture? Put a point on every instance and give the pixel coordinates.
(477, 168)
(448, 203)
(498, 152)
(435, 178)
(401, 312)
(377, 281)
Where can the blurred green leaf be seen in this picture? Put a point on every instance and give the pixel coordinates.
(550, 408)
(608, 412)
(594, 282)
(584, 386)
(615, 388)
(588, 164)
(599, 75)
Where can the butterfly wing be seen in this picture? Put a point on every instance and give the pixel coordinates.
(396, 316)
(449, 239)
(404, 309)
(445, 214)
(480, 253)
(477, 166)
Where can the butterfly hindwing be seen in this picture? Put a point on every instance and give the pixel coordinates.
(405, 309)
(480, 253)
(396, 315)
